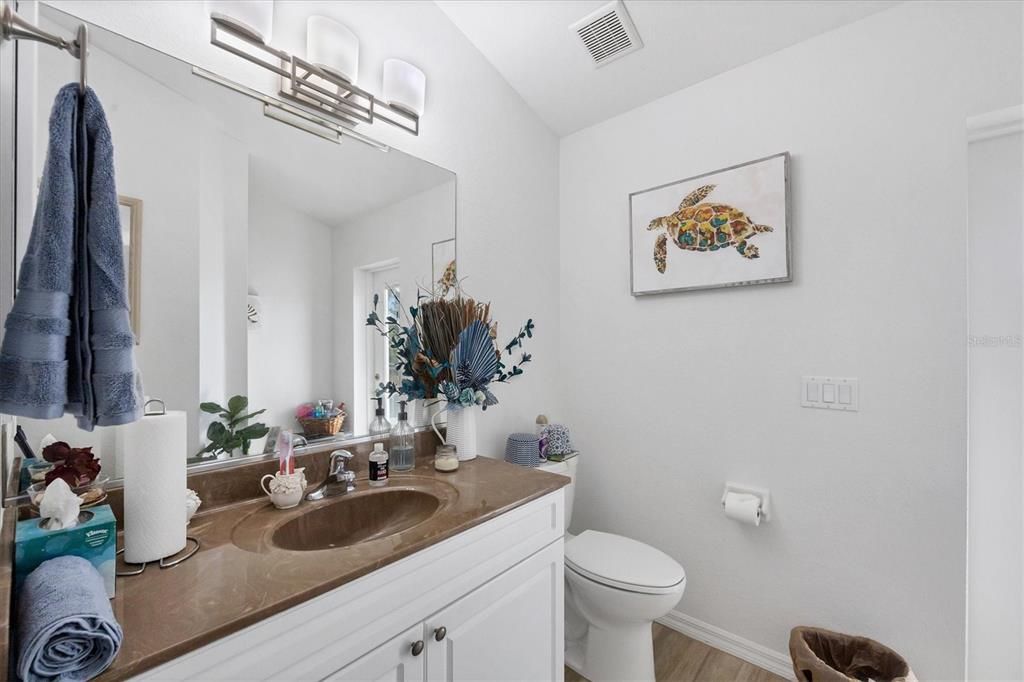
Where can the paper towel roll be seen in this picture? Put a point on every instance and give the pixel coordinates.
(743, 507)
(153, 451)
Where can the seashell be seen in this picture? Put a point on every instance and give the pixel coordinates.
(192, 504)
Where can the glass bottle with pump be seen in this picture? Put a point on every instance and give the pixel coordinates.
(380, 426)
(403, 456)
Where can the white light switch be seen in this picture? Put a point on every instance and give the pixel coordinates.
(831, 393)
(812, 390)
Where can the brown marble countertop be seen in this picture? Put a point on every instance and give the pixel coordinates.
(239, 578)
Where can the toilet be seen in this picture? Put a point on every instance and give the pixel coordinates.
(615, 588)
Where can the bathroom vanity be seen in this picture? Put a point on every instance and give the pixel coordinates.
(264, 244)
(434, 577)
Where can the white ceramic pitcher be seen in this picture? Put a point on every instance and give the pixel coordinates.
(461, 431)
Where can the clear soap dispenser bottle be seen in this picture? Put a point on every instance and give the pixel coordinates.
(402, 445)
(380, 426)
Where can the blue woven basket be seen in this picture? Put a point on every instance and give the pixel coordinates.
(523, 449)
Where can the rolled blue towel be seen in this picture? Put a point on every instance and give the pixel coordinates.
(66, 628)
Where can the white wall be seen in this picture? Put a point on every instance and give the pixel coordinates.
(291, 356)
(995, 219)
(474, 125)
(222, 244)
(402, 232)
(869, 534)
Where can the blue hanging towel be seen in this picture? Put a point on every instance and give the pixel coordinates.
(68, 344)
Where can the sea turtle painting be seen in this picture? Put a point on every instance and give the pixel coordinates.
(705, 227)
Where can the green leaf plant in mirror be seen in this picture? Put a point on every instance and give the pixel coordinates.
(446, 350)
(232, 432)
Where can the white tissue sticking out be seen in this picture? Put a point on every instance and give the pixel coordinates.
(59, 506)
(46, 441)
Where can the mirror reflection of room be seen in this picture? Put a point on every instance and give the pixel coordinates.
(254, 250)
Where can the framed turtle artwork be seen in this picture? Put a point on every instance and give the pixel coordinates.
(726, 228)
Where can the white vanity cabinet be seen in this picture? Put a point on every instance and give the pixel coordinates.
(508, 629)
(503, 630)
(486, 604)
(395, 660)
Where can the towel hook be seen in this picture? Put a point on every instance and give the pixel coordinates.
(82, 47)
(14, 27)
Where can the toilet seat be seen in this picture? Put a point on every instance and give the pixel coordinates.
(623, 563)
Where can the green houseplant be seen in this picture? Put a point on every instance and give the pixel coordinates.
(232, 432)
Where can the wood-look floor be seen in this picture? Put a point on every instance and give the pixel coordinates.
(677, 658)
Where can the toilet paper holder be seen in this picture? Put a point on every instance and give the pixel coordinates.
(762, 493)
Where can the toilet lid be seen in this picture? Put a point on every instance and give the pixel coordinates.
(623, 563)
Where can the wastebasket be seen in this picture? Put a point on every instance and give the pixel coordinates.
(824, 656)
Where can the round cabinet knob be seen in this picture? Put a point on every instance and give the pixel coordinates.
(440, 633)
(417, 648)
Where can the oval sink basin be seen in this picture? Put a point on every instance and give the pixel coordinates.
(356, 519)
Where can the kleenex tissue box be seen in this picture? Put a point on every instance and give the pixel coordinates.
(93, 539)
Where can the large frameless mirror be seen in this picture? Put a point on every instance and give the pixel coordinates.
(254, 247)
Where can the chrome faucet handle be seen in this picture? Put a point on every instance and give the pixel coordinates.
(338, 460)
(339, 480)
(337, 470)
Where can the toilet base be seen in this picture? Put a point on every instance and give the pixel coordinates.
(625, 653)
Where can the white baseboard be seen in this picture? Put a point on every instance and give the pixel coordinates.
(716, 637)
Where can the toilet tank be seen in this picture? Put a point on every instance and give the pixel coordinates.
(566, 468)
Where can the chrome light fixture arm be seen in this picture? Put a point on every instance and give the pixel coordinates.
(317, 90)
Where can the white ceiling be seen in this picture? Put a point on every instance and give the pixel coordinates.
(685, 42)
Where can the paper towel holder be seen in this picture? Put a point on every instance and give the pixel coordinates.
(763, 493)
(165, 562)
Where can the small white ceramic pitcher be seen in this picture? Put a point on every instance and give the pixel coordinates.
(285, 490)
(461, 431)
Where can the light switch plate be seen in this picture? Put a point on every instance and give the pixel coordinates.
(830, 393)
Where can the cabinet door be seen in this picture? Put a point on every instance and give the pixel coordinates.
(398, 660)
(510, 628)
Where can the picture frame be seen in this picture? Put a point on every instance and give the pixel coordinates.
(442, 256)
(130, 213)
(734, 232)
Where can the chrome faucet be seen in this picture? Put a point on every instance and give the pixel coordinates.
(339, 479)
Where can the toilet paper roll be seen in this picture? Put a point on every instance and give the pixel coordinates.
(743, 507)
(153, 451)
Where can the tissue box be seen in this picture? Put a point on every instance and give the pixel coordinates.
(93, 539)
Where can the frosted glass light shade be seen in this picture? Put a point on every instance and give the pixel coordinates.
(405, 86)
(255, 15)
(333, 47)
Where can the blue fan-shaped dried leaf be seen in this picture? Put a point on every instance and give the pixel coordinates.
(474, 359)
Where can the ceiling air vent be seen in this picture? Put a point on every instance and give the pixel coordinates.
(608, 33)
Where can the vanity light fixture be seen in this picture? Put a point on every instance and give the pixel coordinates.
(253, 17)
(404, 86)
(323, 88)
(294, 116)
(333, 47)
